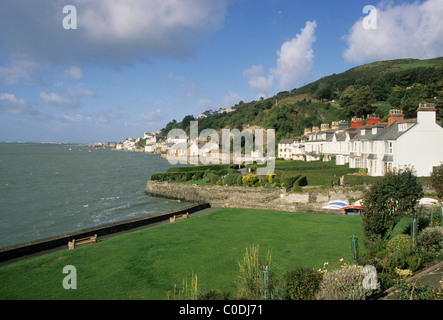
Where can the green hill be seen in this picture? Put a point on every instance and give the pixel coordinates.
(366, 89)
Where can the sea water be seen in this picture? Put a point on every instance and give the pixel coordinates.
(51, 189)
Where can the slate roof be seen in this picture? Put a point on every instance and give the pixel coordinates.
(392, 133)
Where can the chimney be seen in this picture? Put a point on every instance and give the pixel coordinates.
(394, 116)
(343, 125)
(307, 131)
(315, 129)
(324, 126)
(334, 125)
(372, 120)
(356, 122)
(426, 113)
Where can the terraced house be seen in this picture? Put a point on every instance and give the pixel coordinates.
(377, 146)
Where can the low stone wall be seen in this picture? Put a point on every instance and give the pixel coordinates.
(32, 247)
(254, 198)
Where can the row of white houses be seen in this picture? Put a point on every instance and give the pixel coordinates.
(376, 146)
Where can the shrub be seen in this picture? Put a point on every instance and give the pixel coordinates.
(214, 295)
(271, 177)
(211, 178)
(415, 262)
(302, 181)
(249, 180)
(437, 181)
(401, 242)
(415, 291)
(431, 239)
(345, 283)
(232, 178)
(387, 201)
(249, 284)
(289, 181)
(302, 283)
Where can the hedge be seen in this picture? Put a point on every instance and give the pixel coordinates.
(213, 167)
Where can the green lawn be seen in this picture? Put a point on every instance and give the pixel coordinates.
(145, 264)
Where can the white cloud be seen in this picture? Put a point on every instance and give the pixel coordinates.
(204, 104)
(68, 98)
(10, 104)
(74, 72)
(294, 64)
(20, 70)
(258, 81)
(56, 99)
(113, 32)
(403, 31)
(11, 98)
(296, 58)
(152, 117)
(231, 99)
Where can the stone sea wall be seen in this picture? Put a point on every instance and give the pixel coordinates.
(253, 198)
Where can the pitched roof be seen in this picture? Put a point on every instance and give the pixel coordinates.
(392, 132)
(286, 141)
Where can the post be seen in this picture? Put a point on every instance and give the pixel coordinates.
(414, 232)
(354, 248)
(265, 282)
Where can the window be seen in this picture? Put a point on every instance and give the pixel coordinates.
(374, 130)
(389, 147)
(363, 132)
(402, 126)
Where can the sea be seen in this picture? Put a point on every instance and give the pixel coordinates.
(47, 189)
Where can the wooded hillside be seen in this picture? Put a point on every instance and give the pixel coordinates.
(370, 88)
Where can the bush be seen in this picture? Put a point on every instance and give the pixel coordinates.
(302, 283)
(232, 178)
(249, 180)
(431, 240)
(345, 283)
(289, 181)
(387, 201)
(271, 177)
(211, 178)
(249, 285)
(214, 295)
(401, 242)
(415, 291)
(302, 181)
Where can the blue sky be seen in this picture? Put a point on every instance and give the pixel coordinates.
(131, 66)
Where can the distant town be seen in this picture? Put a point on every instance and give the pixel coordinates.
(367, 143)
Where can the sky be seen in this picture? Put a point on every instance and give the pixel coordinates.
(106, 70)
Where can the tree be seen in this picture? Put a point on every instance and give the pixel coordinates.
(387, 201)
(437, 181)
(186, 122)
(380, 89)
(357, 101)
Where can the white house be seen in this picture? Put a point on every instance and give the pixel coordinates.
(378, 147)
(150, 148)
(418, 143)
(285, 148)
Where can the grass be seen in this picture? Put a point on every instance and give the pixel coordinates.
(145, 264)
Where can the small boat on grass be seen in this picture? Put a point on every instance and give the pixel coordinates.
(336, 204)
(354, 209)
